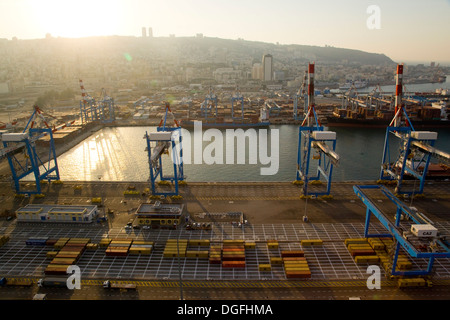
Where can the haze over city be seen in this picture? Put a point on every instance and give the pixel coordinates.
(408, 31)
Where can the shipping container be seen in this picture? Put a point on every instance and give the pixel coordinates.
(276, 260)
(293, 253)
(316, 242)
(233, 264)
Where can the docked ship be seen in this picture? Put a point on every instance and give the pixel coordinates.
(359, 84)
(255, 121)
(435, 116)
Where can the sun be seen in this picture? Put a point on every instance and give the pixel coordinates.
(80, 18)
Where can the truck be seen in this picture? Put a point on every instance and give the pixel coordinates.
(15, 282)
(60, 282)
(113, 285)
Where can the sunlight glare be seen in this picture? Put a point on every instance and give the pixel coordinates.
(81, 18)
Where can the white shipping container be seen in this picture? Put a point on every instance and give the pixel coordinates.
(424, 135)
(424, 230)
(324, 135)
(14, 137)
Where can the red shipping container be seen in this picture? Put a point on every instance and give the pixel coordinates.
(295, 253)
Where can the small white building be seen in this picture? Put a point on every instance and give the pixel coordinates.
(57, 213)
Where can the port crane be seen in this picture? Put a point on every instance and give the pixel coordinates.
(237, 98)
(422, 231)
(166, 140)
(315, 144)
(23, 157)
(93, 110)
(415, 148)
(301, 94)
(209, 104)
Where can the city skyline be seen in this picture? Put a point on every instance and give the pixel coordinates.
(407, 31)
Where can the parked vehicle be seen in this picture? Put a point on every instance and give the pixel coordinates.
(60, 282)
(113, 285)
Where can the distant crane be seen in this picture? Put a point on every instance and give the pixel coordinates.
(415, 148)
(24, 159)
(106, 108)
(209, 104)
(239, 99)
(166, 140)
(313, 138)
(92, 110)
(301, 94)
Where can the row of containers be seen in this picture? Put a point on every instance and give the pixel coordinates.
(122, 248)
(376, 250)
(231, 254)
(66, 252)
(228, 253)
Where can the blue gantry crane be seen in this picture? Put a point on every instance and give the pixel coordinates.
(422, 241)
(414, 148)
(208, 107)
(315, 145)
(106, 108)
(238, 99)
(93, 110)
(24, 158)
(167, 140)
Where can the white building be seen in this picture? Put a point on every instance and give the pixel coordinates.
(57, 213)
(257, 71)
(267, 67)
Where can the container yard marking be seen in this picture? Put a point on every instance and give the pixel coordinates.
(330, 264)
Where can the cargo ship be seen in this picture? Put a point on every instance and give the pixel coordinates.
(357, 84)
(435, 116)
(254, 121)
(189, 124)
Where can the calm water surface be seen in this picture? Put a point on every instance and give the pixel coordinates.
(118, 154)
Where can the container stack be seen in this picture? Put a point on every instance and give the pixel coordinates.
(382, 247)
(200, 254)
(104, 243)
(118, 248)
(272, 244)
(296, 267)
(3, 239)
(361, 250)
(70, 250)
(141, 247)
(172, 250)
(233, 254)
(215, 254)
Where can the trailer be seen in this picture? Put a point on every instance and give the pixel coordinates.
(37, 241)
(115, 285)
(60, 282)
(15, 282)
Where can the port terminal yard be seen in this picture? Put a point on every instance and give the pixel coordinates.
(268, 228)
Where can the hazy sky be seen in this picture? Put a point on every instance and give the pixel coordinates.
(410, 30)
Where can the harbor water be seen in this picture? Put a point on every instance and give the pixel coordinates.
(118, 154)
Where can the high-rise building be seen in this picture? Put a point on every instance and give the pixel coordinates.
(257, 71)
(150, 32)
(144, 32)
(267, 62)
